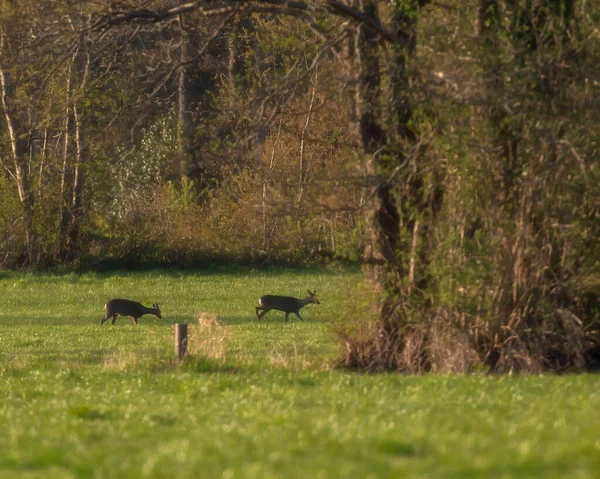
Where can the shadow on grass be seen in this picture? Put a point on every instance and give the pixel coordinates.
(394, 447)
(195, 364)
(275, 318)
(200, 364)
(83, 411)
(122, 269)
(148, 322)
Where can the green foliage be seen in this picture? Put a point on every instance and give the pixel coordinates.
(493, 204)
(10, 215)
(139, 170)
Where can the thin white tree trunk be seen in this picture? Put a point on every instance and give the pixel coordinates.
(301, 176)
(20, 172)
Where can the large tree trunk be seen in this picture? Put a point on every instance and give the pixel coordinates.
(381, 212)
(401, 205)
(395, 266)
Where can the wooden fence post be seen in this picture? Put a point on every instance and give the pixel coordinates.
(181, 340)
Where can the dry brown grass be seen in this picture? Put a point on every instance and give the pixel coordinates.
(120, 361)
(446, 344)
(209, 338)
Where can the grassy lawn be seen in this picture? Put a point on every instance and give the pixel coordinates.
(79, 400)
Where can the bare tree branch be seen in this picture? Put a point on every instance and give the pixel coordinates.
(281, 7)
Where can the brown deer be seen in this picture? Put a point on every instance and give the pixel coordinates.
(287, 304)
(126, 307)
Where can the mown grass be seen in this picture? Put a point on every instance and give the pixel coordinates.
(79, 400)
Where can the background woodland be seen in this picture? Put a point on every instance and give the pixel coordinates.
(448, 147)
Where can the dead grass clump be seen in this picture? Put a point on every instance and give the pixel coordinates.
(401, 349)
(120, 361)
(414, 348)
(528, 344)
(18, 363)
(209, 338)
(435, 345)
(450, 349)
(293, 360)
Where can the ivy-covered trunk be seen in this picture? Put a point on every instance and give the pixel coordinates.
(398, 207)
(381, 210)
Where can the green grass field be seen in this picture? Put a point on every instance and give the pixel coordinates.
(80, 400)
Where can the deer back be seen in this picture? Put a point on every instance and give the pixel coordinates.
(124, 307)
(280, 303)
(288, 304)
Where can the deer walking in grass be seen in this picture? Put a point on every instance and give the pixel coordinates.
(287, 304)
(126, 307)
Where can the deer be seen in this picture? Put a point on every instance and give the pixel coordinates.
(126, 307)
(288, 304)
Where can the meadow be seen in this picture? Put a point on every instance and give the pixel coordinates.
(255, 399)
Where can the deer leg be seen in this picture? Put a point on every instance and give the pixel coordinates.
(265, 311)
(287, 313)
(103, 320)
(298, 314)
(133, 320)
(114, 318)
